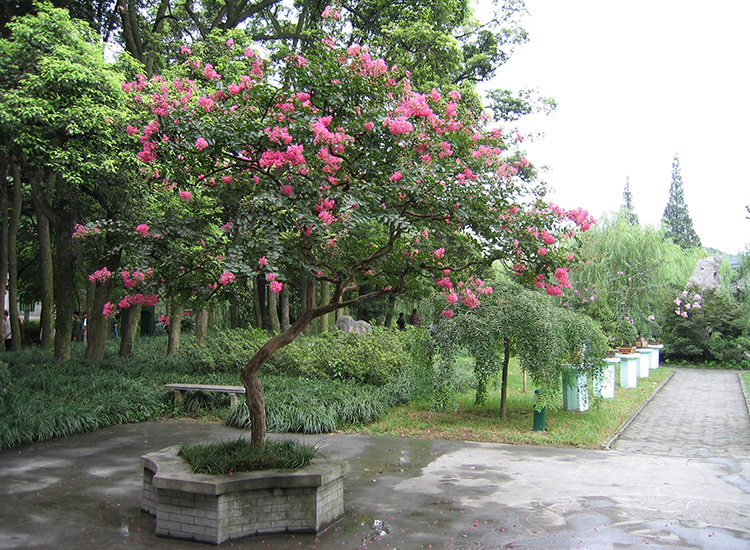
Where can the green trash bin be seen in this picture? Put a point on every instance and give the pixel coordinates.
(540, 417)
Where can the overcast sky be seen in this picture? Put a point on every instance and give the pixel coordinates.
(637, 82)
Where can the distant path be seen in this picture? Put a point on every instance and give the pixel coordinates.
(698, 413)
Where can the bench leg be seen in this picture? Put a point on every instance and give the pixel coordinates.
(179, 397)
(232, 399)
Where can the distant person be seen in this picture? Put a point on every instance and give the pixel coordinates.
(414, 318)
(85, 326)
(7, 336)
(401, 322)
(77, 327)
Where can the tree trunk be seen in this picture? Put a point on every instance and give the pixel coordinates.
(174, 329)
(64, 287)
(391, 309)
(15, 220)
(308, 299)
(129, 329)
(504, 385)
(325, 297)
(258, 299)
(97, 325)
(284, 297)
(3, 233)
(201, 327)
(234, 314)
(46, 325)
(273, 312)
(253, 388)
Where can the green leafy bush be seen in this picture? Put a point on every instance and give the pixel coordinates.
(372, 358)
(225, 351)
(715, 332)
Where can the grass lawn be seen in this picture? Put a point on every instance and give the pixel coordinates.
(590, 429)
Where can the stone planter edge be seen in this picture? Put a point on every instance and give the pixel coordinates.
(199, 506)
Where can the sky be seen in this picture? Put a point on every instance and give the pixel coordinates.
(638, 82)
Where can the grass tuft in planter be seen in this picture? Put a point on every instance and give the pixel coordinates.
(240, 456)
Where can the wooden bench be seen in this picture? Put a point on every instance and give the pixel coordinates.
(180, 390)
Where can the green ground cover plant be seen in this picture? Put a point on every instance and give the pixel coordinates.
(240, 455)
(41, 398)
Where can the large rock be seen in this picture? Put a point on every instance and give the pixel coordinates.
(706, 274)
(346, 324)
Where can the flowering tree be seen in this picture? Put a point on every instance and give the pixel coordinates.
(334, 166)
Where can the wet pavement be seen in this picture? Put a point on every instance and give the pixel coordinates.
(679, 477)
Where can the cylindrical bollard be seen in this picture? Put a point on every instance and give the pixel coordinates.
(540, 417)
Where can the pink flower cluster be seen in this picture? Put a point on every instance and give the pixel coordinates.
(143, 229)
(685, 304)
(226, 278)
(164, 319)
(81, 231)
(131, 280)
(135, 299)
(101, 276)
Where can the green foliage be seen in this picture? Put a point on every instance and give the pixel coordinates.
(241, 456)
(371, 358)
(676, 221)
(630, 273)
(4, 379)
(225, 351)
(49, 399)
(41, 398)
(625, 333)
(542, 336)
(296, 404)
(716, 332)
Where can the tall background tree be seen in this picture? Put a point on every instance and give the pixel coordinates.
(61, 123)
(676, 221)
(628, 209)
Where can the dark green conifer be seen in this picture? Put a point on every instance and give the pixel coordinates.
(676, 221)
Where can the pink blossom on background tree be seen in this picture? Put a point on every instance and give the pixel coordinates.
(336, 167)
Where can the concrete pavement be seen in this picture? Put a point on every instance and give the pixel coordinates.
(662, 486)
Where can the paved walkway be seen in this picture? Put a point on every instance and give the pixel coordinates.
(84, 491)
(698, 413)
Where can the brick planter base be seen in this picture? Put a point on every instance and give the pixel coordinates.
(216, 508)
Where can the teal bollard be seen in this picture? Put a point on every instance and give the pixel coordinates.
(540, 417)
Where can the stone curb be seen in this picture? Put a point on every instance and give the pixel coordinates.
(607, 446)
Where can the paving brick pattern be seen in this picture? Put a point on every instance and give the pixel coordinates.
(698, 413)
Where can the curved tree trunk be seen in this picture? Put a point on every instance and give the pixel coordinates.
(253, 388)
(47, 328)
(175, 328)
(129, 330)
